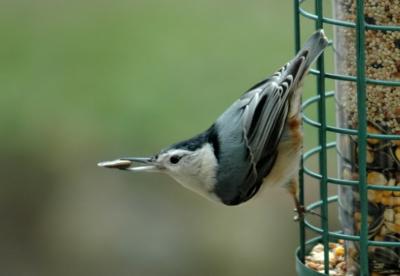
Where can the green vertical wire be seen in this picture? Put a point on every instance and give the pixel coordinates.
(296, 6)
(322, 142)
(362, 136)
(302, 227)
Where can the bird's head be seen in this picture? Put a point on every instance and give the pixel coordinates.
(194, 168)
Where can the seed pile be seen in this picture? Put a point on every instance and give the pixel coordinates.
(337, 265)
(382, 50)
(382, 53)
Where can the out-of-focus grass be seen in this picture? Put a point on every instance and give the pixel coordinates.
(109, 66)
(88, 80)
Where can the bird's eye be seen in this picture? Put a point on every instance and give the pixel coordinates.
(174, 159)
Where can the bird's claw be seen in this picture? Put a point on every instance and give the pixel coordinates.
(301, 211)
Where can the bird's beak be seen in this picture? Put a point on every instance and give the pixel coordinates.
(151, 165)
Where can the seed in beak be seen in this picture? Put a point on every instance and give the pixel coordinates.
(116, 164)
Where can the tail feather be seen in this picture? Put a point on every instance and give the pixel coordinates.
(312, 49)
(300, 65)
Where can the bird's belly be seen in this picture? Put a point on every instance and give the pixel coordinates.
(286, 166)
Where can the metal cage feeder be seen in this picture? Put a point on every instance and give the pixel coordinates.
(367, 145)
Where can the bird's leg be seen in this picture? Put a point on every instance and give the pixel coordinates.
(299, 208)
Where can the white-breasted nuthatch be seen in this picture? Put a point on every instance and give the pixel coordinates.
(256, 141)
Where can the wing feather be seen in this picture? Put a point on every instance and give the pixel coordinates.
(264, 119)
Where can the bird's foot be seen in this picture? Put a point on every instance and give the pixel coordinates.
(301, 211)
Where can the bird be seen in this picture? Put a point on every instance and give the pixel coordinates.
(256, 142)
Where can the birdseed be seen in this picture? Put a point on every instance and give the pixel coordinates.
(382, 59)
(337, 265)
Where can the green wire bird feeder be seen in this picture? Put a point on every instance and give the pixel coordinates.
(366, 46)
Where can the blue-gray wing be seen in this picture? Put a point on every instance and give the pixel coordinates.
(251, 130)
(264, 120)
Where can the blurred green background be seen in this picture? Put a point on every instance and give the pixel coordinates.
(83, 81)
